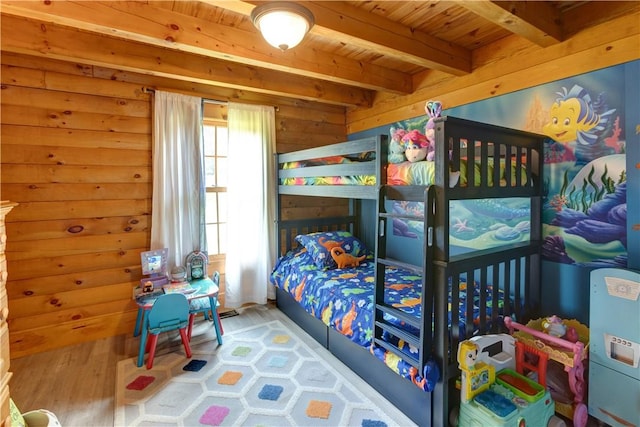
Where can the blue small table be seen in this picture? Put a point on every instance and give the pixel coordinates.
(202, 288)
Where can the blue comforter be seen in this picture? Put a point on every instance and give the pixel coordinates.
(343, 300)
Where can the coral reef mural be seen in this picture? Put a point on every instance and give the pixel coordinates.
(585, 211)
(475, 224)
(585, 201)
(584, 170)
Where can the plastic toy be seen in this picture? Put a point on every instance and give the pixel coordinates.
(509, 398)
(433, 110)
(476, 376)
(154, 265)
(416, 146)
(197, 265)
(178, 274)
(344, 259)
(614, 353)
(147, 287)
(572, 355)
(396, 146)
(555, 326)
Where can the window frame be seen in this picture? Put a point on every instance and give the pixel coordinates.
(218, 258)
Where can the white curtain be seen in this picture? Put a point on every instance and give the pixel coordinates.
(178, 220)
(251, 203)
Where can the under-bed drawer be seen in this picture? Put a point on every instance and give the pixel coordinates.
(295, 312)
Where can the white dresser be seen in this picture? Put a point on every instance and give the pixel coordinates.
(5, 375)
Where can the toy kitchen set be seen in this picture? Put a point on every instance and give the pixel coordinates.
(614, 356)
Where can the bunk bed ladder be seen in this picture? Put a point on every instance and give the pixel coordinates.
(423, 340)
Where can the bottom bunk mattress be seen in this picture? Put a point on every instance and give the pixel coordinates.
(343, 300)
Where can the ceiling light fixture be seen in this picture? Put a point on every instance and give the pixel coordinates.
(282, 24)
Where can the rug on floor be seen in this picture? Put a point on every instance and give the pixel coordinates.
(263, 375)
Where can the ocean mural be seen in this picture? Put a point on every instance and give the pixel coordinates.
(585, 211)
(591, 202)
(585, 202)
(474, 224)
(585, 179)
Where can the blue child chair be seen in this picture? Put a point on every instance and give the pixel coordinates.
(169, 312)
(203, 305)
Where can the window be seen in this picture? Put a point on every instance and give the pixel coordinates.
(215, 152)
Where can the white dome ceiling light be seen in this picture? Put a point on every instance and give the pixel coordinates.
(282, 24)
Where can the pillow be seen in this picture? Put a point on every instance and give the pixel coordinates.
(319, 246)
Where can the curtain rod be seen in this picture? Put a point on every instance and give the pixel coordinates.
(147, 89)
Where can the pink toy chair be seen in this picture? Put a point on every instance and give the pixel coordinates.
(169, 312)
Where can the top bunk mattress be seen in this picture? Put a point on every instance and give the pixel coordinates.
(501, 158)
(404, 173)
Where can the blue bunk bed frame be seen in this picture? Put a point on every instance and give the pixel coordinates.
(515, 266)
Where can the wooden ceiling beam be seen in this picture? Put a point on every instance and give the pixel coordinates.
(367, 30)
(537, 21)
(142, 22)
(26, 36)
(584, 15)
(353, 26)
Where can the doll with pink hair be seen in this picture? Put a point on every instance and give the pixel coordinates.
(416, 146)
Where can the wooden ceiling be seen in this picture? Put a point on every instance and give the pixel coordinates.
(356, 50)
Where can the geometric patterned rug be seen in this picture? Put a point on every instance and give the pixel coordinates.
(264, 375)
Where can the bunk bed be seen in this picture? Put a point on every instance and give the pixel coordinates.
(410, 315)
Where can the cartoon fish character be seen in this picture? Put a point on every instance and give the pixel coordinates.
(574, 118)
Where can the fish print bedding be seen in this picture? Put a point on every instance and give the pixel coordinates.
(343, 300)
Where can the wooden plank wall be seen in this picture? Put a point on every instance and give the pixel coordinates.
(76, 155)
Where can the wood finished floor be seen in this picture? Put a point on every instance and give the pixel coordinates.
(77, 383)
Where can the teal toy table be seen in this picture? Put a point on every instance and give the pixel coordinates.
(202, 288)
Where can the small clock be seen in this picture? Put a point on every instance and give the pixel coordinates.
(197, 265)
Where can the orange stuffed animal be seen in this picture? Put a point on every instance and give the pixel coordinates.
(344, 259)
